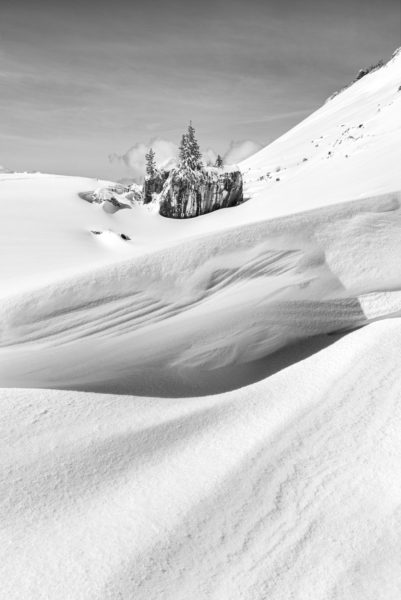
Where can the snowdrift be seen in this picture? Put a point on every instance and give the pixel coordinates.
(288, 488)
(206, 304)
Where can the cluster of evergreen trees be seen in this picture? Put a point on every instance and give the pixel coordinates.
(189, 156)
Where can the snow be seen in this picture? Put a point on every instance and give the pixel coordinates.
(204, 304)
(288, 488)
(209, 409)
(360, 128)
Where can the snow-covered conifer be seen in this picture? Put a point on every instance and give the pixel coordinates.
(219, 162)
(190, 157)
(194, 149)
(150, 163)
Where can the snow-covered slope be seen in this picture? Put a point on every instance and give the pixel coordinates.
(348, 149)
(253, 473)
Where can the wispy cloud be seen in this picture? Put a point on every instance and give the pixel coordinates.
(238, 151)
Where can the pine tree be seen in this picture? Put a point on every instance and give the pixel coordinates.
(194, 149)
(190, 156)
(219, 162)
(183, 152)
(150, 163)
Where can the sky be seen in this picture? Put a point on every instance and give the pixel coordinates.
(86, 86)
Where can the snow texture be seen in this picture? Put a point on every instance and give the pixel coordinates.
(209, 408)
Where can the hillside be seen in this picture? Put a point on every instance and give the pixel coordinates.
(351, 146)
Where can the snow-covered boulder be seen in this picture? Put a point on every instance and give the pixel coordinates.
(112, 198)
(135, 194)
(188, 193)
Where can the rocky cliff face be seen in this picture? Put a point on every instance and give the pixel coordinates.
(153, 185)
(192, 193)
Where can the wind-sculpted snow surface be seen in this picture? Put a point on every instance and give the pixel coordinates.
(288, 488)
(207, 304)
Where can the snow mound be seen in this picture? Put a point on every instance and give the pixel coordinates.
(288, 488)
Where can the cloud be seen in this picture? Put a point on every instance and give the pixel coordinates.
(167, 153)
(209, 156)
(239, 151)
(134, 158)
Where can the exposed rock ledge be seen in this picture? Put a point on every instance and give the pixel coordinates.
(192, 193)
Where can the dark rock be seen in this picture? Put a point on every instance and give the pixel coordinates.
(179, 193)
(118, 188)
(116, 203)
(188, 193)
(106, 196)
(88, 196)
(153, 185)
(135, 194)
(124, 236)
(367, 70)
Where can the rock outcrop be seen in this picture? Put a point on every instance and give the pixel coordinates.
(178, 194)
(114, 197)
(135, 195)
(153, 185)
(189, 193)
